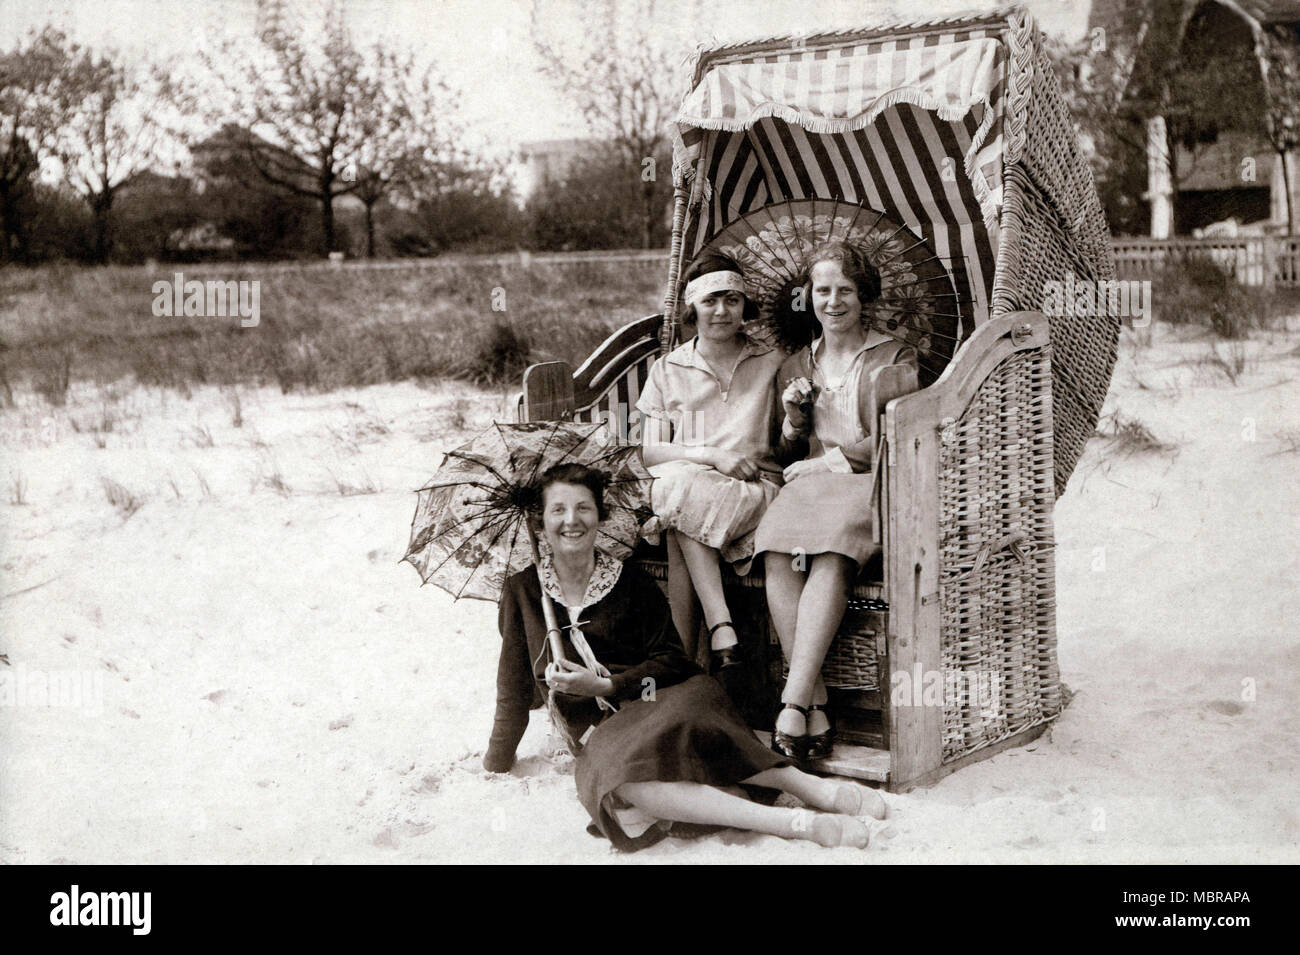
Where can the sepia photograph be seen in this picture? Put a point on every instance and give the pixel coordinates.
(819, 432)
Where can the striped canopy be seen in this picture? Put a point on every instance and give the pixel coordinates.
(909, 127)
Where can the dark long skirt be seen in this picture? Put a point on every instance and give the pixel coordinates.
(690, 732)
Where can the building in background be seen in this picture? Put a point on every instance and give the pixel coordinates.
(1240, 177)
(546, 161)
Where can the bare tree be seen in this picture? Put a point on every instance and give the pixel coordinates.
(104, 124)
(325, 119)
(28, 123)
(417, 145)
(623, 73)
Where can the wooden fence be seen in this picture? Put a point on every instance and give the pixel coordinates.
(1253, 260)
(634, 257)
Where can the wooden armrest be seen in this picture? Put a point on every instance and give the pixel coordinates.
(887, 383)
(915, 559)
(548, 392)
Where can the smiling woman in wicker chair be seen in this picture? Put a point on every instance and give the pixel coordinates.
(823, 514)
(676, 747)
(709, 421)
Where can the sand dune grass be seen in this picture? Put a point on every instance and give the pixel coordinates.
(1194, 290)
(319, 328)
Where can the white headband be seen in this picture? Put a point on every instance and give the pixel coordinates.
(711, 282)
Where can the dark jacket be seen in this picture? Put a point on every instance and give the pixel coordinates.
(629, 630)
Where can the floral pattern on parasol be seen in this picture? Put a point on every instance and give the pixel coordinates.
(470, 531)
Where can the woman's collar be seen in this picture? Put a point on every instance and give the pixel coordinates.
(604, 576)
(874, 337)
(687, 355)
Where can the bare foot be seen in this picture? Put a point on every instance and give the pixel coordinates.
(848, 799)
(828, 831)
(834, 831)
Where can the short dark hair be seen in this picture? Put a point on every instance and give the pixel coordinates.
(578, 474)
(714, 262)
(852, 262)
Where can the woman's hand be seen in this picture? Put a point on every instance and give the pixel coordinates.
(735, 465)
(576, 680)
(797, 401)
(800, 468)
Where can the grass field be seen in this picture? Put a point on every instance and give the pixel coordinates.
(480, 320)
(319, 328)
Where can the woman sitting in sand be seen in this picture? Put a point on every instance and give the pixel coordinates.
(823, 513)
(676, 748)
(709, 419)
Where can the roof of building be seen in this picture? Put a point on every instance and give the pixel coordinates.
(1159, 27)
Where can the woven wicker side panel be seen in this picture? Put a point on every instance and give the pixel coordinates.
(1035, 249)
(997, 570)
(1053, 157)
(1040, 136)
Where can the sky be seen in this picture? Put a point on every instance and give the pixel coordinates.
(482, 46)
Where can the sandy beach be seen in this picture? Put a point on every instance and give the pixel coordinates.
(260, 680)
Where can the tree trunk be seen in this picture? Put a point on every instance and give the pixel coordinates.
(101, 205)
(15, 183)
(8, 222)
(647, 214)
(327, 220)
(370, 230)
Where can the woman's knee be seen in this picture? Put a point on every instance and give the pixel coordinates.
(781, 568)
(834, 568)
(653, 794)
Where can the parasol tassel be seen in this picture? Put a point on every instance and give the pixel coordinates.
(561, 727)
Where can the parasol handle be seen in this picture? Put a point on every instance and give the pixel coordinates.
(553, 635)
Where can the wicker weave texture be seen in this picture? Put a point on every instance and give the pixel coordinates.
(1053, 156)
(997, 568)
(670, 332)
(1053, 226)
(1036, 248)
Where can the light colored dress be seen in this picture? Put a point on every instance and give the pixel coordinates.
(695, 499)
(830, 512)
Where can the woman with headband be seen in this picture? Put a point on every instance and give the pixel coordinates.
(710, 416)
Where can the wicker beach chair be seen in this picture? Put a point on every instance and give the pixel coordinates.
(956, 130)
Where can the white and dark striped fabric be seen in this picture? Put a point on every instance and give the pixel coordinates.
(607, 385)
(912, 128)
(616, 404)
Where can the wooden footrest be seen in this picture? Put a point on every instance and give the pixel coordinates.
(859, 762)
